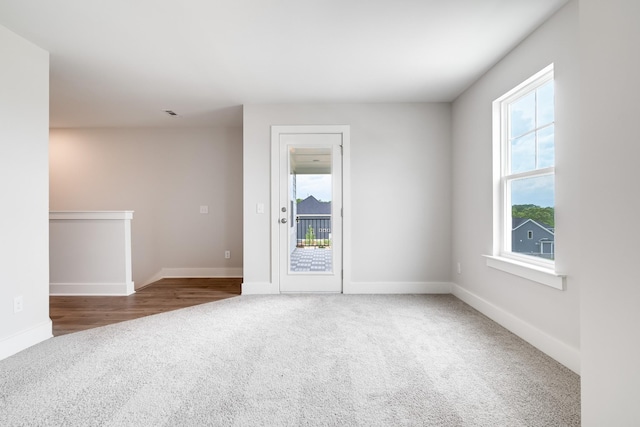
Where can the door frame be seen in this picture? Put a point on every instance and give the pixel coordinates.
(274, 217)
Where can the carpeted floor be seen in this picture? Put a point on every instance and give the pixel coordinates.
(292, 360)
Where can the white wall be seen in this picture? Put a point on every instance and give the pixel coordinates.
(90, 253)
(547, 317)
(609, 180)
(400, 157)
(164, 176)
(24, 228)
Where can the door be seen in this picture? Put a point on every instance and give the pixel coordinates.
(310, 212)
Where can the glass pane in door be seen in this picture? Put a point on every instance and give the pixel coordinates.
(310, 193)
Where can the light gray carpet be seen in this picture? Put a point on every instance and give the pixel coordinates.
(327, 360)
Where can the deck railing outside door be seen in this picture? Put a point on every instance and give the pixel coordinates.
(313, 231)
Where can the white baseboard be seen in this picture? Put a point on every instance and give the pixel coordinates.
(567, 355)
(257, 288)
(195, 273)
(397, 288)
(25, 339)
(362, 288)
(94, 289)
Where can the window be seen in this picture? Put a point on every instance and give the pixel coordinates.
(524, 145)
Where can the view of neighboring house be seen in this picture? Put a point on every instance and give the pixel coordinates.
(313, 219)
(532, 238)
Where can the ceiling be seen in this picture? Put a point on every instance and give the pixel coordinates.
(310, 160)
(122, 62)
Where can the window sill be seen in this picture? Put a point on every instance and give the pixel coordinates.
(545, 276)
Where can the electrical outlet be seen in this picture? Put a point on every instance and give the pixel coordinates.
(227, 254)
(18, 304)
(204, 209)
(459, 268)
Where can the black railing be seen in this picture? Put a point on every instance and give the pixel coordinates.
(313, 231)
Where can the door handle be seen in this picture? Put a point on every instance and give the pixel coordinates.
(283, 220)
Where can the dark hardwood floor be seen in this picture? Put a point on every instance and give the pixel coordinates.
(73, 314)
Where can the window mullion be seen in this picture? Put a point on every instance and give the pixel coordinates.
(532, 173)
(535, 130)
(531, 131)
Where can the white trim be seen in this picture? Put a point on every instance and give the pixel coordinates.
(128, 268)
(397, 288)
(275, 201)
(195, 273)
(24, 339)
(94, 289)
(527, 260)
(93, 215)
(157, 276)
(265, 288)
(527, 85)
(564, 353)
(346, 207)
(534, 173)
(503, 177)
(545, 276)
(345, 130)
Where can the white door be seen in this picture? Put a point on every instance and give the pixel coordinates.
(310, 212)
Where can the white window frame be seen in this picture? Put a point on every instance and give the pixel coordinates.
(533, 268)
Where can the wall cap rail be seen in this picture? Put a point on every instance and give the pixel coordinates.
(117, 215)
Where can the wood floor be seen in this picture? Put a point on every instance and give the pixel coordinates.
(73, 314)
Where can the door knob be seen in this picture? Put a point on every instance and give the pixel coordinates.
(283, 220)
